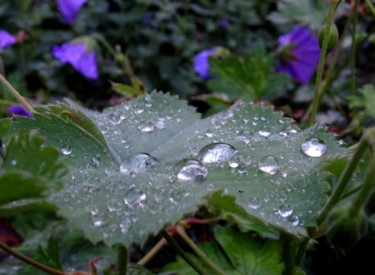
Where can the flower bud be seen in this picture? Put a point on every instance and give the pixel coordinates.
(332, 37)
(344, 228)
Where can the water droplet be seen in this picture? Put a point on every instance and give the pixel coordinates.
(264, 131)
(243, 136)
(146, 127)
(294, 220)
(191, 171)
(216, 152)
(66, 150)
(115, 119)
(160, 124)
(124, 226)
(235, 161)
(138, 164)
(209, 133)
(134, 197)
(269, 164)
(314, 147)
(285, 210)
(254, 203)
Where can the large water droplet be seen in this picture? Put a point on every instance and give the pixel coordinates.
(285, 210)
(254, 203)
(314, 147)
(216, 152)
(264, 131)
(191, 171)
(134, 197)
(138, 164)
(66, 150)
(146, 127)
(269, 164)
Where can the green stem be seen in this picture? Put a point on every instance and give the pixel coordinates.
(122, 260)
(289, 252)
(16, 94)
(371, 6)
(354, 48)
(301, 252)
(124, 58)
(29, 261)
(181, 231)
(182, 253)
(322, 60)
(105, 43)
(152, 252)
(343, 180)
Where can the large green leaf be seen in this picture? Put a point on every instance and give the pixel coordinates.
(115, 193)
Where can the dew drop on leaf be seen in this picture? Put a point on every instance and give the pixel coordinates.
(134, 197)
(115, 119)
(285, 210)
(314, 147)
(191, 171)
(146, 127)
(138, 164)
(254, 203)
(294, 220)
(66, 150)
(269, 164)
(160, 124)
(264, 131)
(216, 152)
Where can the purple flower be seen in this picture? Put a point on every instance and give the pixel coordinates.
(299, 51)
(224, 23)
(69, 8)
(77, 54)
(19, 111)
(201, 65)
(6, 39)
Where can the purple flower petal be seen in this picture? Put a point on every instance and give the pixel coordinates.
(69, 8)
(303, 55)
(201, 65)
(6, 39)
(77, 55)
(19, 111)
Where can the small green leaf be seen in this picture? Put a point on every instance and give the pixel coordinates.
(248, 254)
(239, 254)
(367, 101)
(29, 168)
(249, 77)
(311, 13)
(17, 185)
(125, 90)
(48, 256)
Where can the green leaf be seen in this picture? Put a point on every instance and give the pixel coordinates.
(367, 101)
(249, 77)
(29, 168)
(48, 256)
(249, 254)
(118, 193)
(239, 254)
(311, 13)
